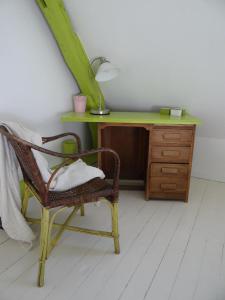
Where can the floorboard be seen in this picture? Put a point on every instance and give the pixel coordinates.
(169, 251)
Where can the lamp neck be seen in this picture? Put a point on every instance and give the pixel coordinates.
(101, 60)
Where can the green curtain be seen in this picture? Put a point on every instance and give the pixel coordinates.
(73, 53)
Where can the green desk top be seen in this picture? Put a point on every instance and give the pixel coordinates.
(130, 117)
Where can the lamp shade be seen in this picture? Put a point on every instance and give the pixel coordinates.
(106, 71)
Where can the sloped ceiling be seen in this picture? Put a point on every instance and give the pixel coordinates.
(170, 52)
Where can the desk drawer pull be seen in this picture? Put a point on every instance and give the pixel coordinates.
(169, 170)
(170, 153)
(171, 136)
(168, 186)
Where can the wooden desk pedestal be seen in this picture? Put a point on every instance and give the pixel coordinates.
(159, 156)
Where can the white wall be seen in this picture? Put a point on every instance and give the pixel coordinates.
(35, 84)
(209, 160)
(170, 53)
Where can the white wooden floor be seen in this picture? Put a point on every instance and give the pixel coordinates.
(169, 250)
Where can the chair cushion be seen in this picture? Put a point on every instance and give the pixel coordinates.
(87, 192)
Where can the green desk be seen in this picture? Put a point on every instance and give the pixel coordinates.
(155, 150)
(130, 117)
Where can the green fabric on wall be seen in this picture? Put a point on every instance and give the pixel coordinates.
(73, 53)
(70, 147)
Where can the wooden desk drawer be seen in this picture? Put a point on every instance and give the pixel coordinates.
(169, 170)
(168, 185)
(171, 154)
(172, 136)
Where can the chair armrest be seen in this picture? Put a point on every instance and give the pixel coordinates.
(53, 138)
(55, 172)
(83, 154)
(116, 163)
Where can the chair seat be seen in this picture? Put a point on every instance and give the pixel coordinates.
(87, 192)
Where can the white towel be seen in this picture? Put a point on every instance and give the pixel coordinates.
(70, 176)
(74, 175)
(13, 221)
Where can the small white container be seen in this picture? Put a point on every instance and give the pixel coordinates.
(176, 112)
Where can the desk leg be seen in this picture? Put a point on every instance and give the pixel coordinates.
(148, 171)
(99, 163)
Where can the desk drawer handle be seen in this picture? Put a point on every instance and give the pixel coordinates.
(171, 136)
(171, 153)
(168, 186)
(169, 170)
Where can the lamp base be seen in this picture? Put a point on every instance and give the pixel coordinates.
(100, 112)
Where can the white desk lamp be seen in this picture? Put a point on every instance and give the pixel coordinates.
(104, 71)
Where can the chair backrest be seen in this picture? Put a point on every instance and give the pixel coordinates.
(24, 154)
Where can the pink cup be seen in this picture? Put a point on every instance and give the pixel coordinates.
(79, 103)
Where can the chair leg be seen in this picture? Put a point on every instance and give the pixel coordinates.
(115, 230)
(43, 245)
(25, 201)
(82, 210)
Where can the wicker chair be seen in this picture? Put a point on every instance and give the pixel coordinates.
(75, 197)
